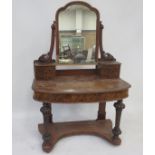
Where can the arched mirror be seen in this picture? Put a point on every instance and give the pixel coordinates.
(77, 25)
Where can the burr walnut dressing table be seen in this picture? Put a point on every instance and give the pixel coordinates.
(77, 38)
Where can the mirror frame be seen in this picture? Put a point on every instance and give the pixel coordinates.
(97, 29)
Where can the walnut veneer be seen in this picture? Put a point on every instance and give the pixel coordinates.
(79, 86)
(100, 85)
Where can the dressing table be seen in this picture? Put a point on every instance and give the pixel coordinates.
(77, 42)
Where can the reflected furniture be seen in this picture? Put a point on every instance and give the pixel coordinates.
(77, 40)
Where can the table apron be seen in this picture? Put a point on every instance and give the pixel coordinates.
(80, 98)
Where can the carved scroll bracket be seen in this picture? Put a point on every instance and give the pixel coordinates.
(47, 58)
(104, 56)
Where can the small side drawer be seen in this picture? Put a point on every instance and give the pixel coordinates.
(109, 69)
(44, 71)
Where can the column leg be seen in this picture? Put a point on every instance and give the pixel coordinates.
(116, 130)
(46, 111)
(102, 111)
(47, 117)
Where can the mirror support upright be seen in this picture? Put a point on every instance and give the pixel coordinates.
(104, 56)
(47, 58)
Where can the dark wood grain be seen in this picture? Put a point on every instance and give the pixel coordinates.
(79, 84)
(104, 56)
(109, 69)
(77, 72)
(80, 98)
(102, 111)
(74, 89)
(74, 86)
(44, 71)
(119, 105)
(47, 58)
(101, 128)
(104, 69)
(47, 117)
(46, 111)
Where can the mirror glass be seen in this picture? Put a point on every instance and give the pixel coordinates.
(77, 35)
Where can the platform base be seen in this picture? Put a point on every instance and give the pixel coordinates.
(101, 128)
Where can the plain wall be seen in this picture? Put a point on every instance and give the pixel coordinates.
(122, 37)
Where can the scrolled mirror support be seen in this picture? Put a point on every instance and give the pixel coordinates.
(104, 56)
(47, 58)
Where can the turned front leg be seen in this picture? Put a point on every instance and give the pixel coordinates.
(47, 114)
(116, 130)
(47, 117)
(102, 111)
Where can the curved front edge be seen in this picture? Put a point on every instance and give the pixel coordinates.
(101, 128)
(80, 98)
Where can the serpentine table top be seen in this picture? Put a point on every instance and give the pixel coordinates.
(79, 89)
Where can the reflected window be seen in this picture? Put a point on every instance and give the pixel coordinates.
(77, 35)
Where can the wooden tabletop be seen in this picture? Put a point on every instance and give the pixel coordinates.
(79, 89)
(79, 84)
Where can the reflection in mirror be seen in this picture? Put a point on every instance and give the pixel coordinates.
(77, 35)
